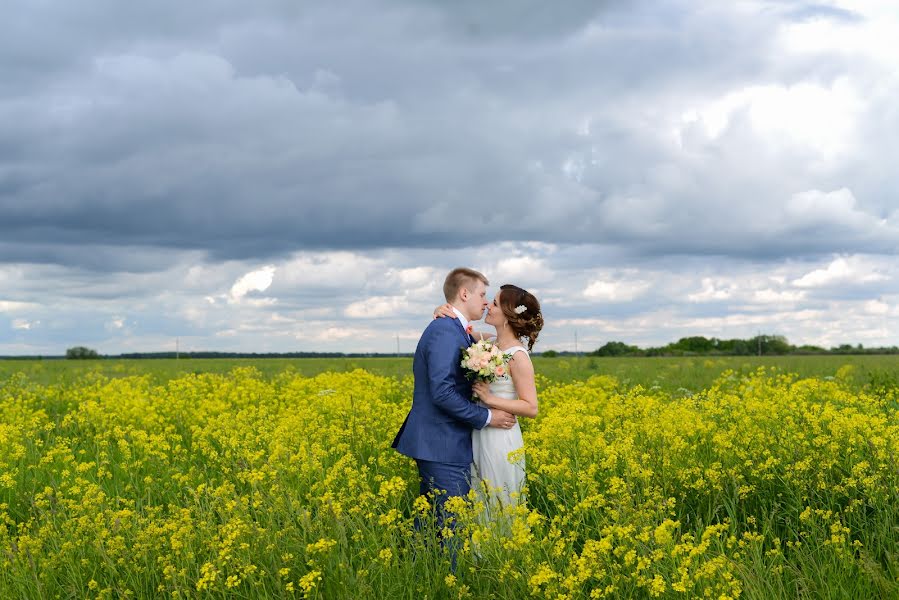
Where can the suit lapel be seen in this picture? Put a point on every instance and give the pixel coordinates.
(465, 335)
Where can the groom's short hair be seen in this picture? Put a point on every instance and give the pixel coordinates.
(459, 278)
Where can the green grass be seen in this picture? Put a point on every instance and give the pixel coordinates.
(157, 481)
(670, 374)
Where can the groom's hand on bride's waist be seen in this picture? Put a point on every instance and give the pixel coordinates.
(501, 419)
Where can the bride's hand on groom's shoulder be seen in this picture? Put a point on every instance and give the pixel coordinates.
(444, 310)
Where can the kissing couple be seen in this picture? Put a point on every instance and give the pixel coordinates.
(458, 443)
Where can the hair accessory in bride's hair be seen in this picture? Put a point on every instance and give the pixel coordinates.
(520, 309)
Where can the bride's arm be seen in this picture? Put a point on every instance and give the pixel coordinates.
(482, 335)
(446, 310)
(522, 372)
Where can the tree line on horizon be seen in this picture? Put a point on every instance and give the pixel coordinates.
(80, 352)
(760, 345)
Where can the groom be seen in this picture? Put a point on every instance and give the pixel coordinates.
(437, 430)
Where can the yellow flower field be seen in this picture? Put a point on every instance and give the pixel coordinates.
(242, 486)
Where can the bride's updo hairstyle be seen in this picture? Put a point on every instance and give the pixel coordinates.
(522, 311)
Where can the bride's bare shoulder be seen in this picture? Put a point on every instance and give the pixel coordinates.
(519, 356)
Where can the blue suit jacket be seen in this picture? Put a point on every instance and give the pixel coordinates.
(438, 427)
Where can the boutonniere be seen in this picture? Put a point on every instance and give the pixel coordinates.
(469, 329)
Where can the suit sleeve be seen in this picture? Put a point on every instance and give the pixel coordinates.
(442, 357)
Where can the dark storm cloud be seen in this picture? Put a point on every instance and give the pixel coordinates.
(89, 256)
(519, 19)
(249, 131)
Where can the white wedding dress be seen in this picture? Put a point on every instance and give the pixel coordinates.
(491, 446)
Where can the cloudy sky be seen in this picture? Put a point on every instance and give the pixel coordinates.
(283, 175)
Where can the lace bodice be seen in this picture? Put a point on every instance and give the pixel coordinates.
(503, 386)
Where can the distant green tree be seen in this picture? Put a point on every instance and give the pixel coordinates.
(80, 352)
(549, 353)
(770, 344)
(810, 349)
(697, 344)
(736, 347)
(615, 349)
(778, 344)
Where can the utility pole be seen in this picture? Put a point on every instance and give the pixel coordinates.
(575, 343)
(177, 348)
(760, 342)
(397, 345)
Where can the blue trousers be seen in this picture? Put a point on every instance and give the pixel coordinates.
(455, 479)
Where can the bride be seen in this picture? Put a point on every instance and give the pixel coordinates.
(515, 313)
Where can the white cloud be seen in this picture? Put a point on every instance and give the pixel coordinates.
(585, 322)
(793, 114)
(710, 293)
(9, 306)
(837, 209)
(412, 278)
(876, 307)
(746, 323)
(769, 296)
(341, 333)
(260, 302)
(843, 270)
(378, 307)
(873, 38)
(24, 324)
(615, 291)
(518, 268)
(328, 270)
(647, 305)
(254, 281)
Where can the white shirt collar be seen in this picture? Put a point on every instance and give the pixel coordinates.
(461, 317)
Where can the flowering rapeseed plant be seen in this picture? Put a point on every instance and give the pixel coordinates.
(226, 485)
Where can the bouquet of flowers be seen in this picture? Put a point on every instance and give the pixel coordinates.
(484, 361)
